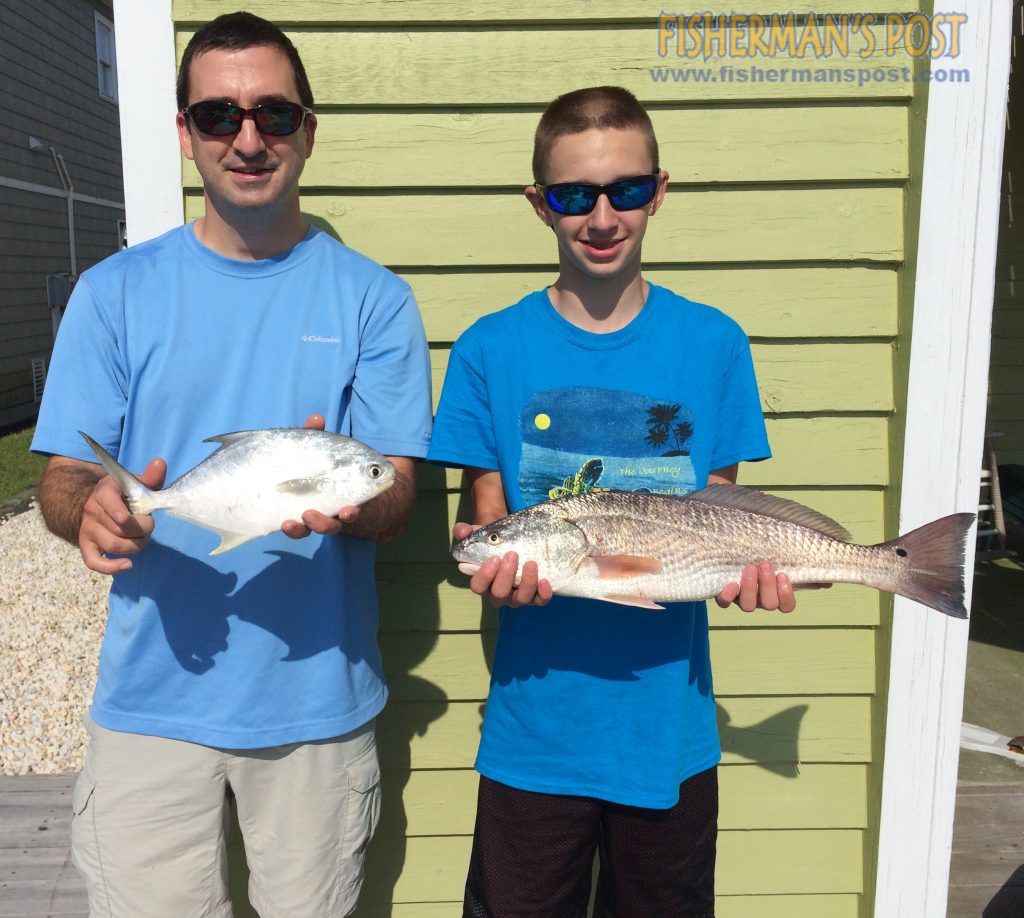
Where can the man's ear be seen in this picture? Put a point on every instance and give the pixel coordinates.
(184, 135)
(310, 127)
(540, 206)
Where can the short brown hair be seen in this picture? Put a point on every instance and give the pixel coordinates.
(236, 32)
(597, 107)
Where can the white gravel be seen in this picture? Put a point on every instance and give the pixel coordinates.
(52, 615)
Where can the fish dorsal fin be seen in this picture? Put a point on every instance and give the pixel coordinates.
(235, 435)
(225, 438)
(615, 567)
(737, 497)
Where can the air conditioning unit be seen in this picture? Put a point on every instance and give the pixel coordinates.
(58, 289)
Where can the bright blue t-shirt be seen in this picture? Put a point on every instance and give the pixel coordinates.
(591, 698)
(168, 343)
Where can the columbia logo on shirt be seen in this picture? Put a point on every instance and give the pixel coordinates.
(320, 339)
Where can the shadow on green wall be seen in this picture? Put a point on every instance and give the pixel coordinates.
(408, 573)
(774, 744)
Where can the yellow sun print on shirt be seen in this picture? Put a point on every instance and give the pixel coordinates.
(542, 422)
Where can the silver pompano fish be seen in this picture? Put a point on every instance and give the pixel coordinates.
(257, 479)
(638, 549)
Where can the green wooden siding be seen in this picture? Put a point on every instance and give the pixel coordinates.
(806, 224)
(788, 208)
(397, 13)
(753, 798)
(527, 63)
(740, 145)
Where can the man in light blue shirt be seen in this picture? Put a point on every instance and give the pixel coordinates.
(256, 670)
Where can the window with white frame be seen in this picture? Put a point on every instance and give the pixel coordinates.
(106, 63)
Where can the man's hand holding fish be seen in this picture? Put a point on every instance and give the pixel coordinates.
(378, 521)
(107, 526)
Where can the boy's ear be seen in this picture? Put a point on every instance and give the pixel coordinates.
(540, 206)
(659, 195)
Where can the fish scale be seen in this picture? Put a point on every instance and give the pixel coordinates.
(639, 549)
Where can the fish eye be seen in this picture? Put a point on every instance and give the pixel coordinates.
(493, 538)
(375, 471)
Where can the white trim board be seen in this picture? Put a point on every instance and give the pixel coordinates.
(150, 155)
(942, 457)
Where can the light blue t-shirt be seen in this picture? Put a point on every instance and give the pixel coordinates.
(591, 698)
(168, 343)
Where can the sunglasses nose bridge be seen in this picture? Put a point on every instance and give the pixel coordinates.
(603, 213)
(248, 135)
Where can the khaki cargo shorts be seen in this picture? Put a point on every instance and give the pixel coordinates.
(149, 829)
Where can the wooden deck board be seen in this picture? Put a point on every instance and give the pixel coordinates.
(36, 873)
(987, 867)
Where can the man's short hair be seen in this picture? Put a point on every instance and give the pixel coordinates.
(236, 32)
(597, 107)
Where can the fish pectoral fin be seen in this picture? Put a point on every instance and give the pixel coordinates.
(302, 486)
(614, 567)
(229, 540)
(639, 601)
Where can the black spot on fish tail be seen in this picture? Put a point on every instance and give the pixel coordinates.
(932, 566)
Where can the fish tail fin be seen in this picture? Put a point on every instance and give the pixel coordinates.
(932, 568)
(140, 499)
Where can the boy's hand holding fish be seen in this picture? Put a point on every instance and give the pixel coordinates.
(759, 587)
(498, 579)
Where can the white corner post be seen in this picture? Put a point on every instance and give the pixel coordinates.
(151, 159)
(950, 344)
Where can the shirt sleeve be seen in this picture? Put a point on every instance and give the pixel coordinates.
(464, 426)
(391, 390)
(87, 382)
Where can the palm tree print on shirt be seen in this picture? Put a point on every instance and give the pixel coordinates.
(662, 423)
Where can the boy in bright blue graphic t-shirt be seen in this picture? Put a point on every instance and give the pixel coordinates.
(600, 730)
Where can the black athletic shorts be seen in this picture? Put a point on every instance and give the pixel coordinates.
(533, 855)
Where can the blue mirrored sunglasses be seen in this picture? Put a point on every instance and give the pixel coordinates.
(577, 198)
